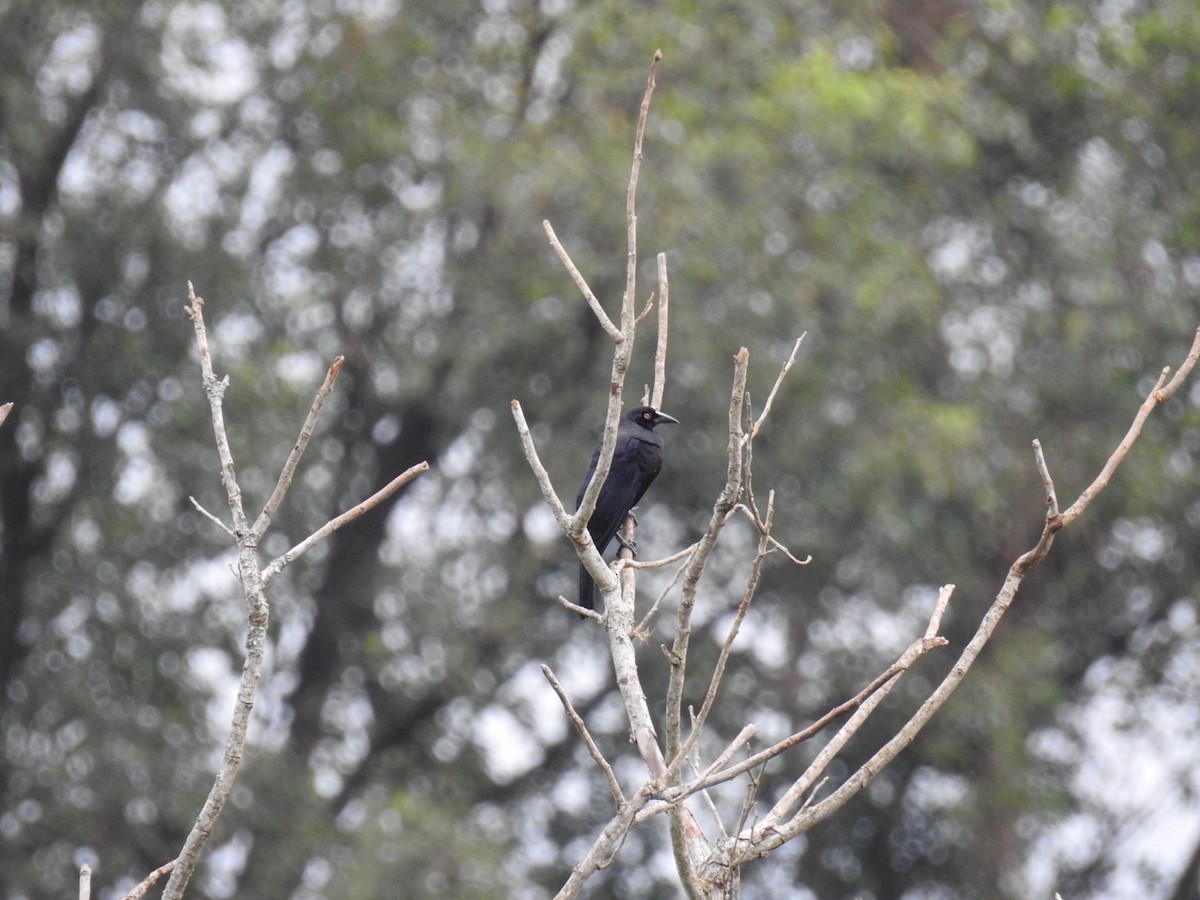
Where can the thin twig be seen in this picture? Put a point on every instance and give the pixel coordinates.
(750, 513)
(812, 795)
(788, 553)
(539, 471)
(766, 410)
(1047, 481)
(289, 468)
(1163, 390)
(215, 389)
(149, 881)
(645, 312)
(705, 796)
(580, 610)
(271, 572)
(631, 194)
(581, 728)
(657, 563)
(743, 737)
(643, 627)
(565, 258)
(204, 512)
(748, 804)
(939, 609)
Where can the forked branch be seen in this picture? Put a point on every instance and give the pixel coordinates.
(254, 581)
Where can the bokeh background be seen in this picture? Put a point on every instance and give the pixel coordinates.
(984, 213)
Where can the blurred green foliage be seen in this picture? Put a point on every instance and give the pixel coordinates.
(983, 215)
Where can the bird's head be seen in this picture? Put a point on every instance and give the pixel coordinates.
(648, 417)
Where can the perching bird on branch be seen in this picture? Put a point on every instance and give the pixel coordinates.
(637, 459)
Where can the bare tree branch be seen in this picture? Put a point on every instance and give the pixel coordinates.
(581, 728)
(584, 546)
(272, 571)
(254, 582)
(289, 468)
(204, 512)
(601, 316)
(696, 562)
(606, 845)
(624, 349)
(1162, 392)
(766, 837)
(631, 194)
(710, 696)
(717, 776)
(256, 614)
(619, 621)
(787, 367)
(709, 869)
(660, 350)
(149, 881)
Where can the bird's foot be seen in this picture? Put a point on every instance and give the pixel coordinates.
(627, 544)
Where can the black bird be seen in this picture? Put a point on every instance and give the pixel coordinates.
(637, 459)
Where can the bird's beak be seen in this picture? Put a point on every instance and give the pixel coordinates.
(660, 417)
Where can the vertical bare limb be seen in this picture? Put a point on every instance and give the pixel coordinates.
(710, 696)
(660, 351)
(624, 349)
(631, 197)
(619, 620)
(699, 558)
(256, 615)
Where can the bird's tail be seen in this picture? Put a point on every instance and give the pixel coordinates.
(587, 589)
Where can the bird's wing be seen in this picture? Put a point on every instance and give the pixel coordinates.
(635, 464)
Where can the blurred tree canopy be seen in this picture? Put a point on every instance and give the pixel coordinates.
(984, 213)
